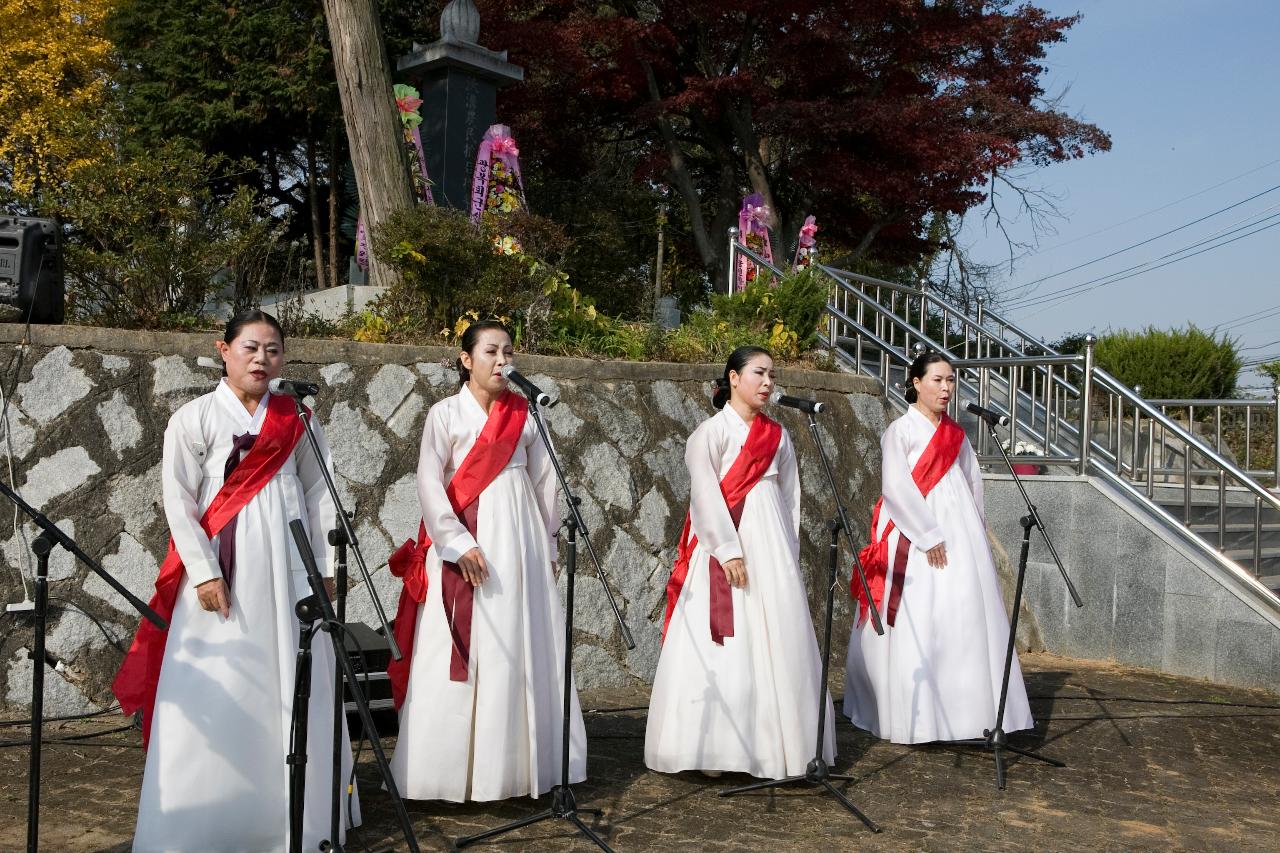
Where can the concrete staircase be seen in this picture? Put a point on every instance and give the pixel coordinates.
(1174, 548)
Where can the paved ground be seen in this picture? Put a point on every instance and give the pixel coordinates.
(1155, 763)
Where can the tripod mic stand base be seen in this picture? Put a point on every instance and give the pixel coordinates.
(818, 774)
(563, 805)
(997, 741)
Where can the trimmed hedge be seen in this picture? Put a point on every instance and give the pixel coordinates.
(1171, 364)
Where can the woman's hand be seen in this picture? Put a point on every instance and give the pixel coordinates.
(937, 555)
(214, 596)
(735, 572)
(474, 569)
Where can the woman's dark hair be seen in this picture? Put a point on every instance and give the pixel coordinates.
(737, 362)
(247, 318)
(470, 338)
(919, 368)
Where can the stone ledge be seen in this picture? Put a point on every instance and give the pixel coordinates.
(355, 353)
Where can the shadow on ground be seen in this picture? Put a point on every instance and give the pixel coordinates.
(1153, 763)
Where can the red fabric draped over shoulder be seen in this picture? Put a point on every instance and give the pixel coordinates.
(933, 465)
(139, 676)
(487, 458)
(753, 460)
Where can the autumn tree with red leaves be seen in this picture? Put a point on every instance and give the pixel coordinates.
(877, 116)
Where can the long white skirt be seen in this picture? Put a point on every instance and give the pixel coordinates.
(751, 705)
(215, 778)
(935, 675)
(498, 734)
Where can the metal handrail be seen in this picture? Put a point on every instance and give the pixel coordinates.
(925, 297)
(1038, 361)
(1052, 397)
(737, 248)
(1022, 361)
(1115, 386)
(1236, 411)
(1233, 402)
(979, 324)
(911, 332)
(1013, 327)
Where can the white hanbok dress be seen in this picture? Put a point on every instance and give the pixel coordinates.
(216, 779)
(750, 705)
(934, 675)
(497, 734)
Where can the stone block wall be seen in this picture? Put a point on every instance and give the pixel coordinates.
(1149, 599)
(88, 408)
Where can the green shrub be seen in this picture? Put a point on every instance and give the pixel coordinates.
(1174, 364)
(452, 271)
(708, 336)
(446, 267)
(786, 316)
(149, 245)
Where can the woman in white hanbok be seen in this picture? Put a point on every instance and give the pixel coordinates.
(496, 734)
(935, 674)
(215, 776)
(748, 703)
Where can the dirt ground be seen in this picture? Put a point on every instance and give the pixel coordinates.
(1153, 763)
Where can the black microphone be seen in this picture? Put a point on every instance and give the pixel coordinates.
(533, 392)
(992, 418)
(292, 388)
(811, 407)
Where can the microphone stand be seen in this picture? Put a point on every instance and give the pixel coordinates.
(563, 803)
(50, 536)
(339, 647)
(310, 609)
(344, 523)
(338, 539)
(995, 739)
(818, 772)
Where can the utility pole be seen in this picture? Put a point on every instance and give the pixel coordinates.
(657, 267)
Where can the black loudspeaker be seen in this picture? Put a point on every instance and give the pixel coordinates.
(31, 276)
(370, 654)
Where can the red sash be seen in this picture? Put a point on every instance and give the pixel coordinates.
(485, 461)
(753, 460)
(938, 457)
(136, 682)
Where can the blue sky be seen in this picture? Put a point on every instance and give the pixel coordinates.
(1190, 92)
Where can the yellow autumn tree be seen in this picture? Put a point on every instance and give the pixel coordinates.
(55, 66)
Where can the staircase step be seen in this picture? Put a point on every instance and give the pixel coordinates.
(1239, 536)
(1206, 512)
(1268, 565)
(1236, 527)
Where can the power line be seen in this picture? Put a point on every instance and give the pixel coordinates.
(1249, 222)
(1246, 316)
(1260, 346)
(1105, 280)
(1156, 209)
(1034, 284)
(1265, 316)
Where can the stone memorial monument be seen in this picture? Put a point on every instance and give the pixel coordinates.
(459, 81)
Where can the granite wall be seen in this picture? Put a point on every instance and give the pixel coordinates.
(88, 407)
(1150, 600)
